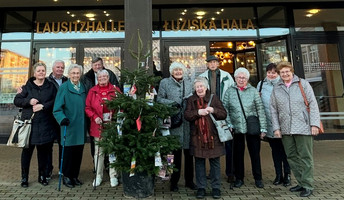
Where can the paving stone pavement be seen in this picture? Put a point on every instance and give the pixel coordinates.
(329, 179)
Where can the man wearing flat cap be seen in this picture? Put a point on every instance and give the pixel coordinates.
(219, 81)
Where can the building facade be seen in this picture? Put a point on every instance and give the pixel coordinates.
(246, 34)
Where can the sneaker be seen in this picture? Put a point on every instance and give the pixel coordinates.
(97, 182)
(200, 193)
(216, 193)
(113, 182)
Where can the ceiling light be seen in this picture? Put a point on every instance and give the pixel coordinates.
(199, 17)
(200, 13)
(185, 10)
(309, 15)
(183, 13)
(104, 11)
(92, 19)
(68, 12)
(314, 11)
(213, 18)
(218, 12)
(180, 19)
(107, 14)
(78, 20)
(110, 20)
(222, 10)
(72, 15)
(90, 15)
(55, 0)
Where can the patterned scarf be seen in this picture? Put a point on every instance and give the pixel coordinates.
(203, 126)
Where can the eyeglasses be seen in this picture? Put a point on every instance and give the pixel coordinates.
(285, 72)
(241, 77)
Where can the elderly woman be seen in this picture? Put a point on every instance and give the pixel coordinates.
(205, 142)
(69, 110)
(242, 93)
(296, 126)
(98, 113)
(174, 90)
(278, 154)
(37, 97)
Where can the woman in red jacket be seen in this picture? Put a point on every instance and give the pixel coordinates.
(98, 113)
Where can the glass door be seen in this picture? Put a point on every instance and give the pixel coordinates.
(322, 67)
(193, 56)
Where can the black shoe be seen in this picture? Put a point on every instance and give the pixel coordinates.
(68, 182)
(200, 193)
(216, 193)
(259, 183)
(287, 180)
(306, 192)
(278, 180)
(238, 183)
(24, 182)
(174, 188)
(191, 185)
(77, 182)
(50, 174)
(296, 189)
(42, 180)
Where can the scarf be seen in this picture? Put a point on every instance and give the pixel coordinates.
(202, 123)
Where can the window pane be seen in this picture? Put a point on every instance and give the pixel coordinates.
(79, 24)
(319, 19)
(208, 22)
(18, 25)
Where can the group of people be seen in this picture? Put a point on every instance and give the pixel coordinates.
(76, 104)
(283, 120)
(65, 109)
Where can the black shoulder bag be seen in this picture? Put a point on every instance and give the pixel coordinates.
(177, 119)
(252, 122)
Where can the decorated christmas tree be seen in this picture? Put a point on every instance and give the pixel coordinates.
(134, 134)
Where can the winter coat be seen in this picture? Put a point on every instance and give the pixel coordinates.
(94, 106)
(288, 110)
(53, 81)
(252, 104)
(226, 81)
(171, 92)
(70, 103)
(88, 79)
(42, 130)
(265, 94)
(191, 114)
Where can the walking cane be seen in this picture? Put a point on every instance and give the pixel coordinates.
(61, 164)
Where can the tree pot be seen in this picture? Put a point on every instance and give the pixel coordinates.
(140, 185)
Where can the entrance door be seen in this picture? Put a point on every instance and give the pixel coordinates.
(193, 56)
(322, 67)
(80, 53)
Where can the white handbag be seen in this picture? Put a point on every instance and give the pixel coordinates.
(20, 135)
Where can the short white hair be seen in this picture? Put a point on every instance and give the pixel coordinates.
(242, 70)
(177, 65)
(72, 66)
(58, 61)
(103, 71)
(202, 80)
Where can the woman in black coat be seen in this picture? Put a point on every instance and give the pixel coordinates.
(37, 97)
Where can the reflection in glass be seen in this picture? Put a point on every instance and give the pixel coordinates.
(193, 57)
(156, 54)
(49, 55)
(322, 69)
(111, 58)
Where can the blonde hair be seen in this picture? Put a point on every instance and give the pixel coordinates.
(284, 64)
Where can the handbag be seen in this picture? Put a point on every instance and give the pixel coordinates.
(177, 119)
(252, 122)
(20, 134)
(321, 128)
(221, 126)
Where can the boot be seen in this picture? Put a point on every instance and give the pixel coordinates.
(25, 178)
(278, 180)
(42, 179)
(287, 180)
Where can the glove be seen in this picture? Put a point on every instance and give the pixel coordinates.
(65, 122)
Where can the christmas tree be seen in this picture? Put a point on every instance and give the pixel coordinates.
(134, 133)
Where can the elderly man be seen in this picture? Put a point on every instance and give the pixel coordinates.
(219, 81)
(89, 79)
(57, 78)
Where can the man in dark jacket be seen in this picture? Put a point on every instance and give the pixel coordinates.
(89, 79)
(56, 77)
